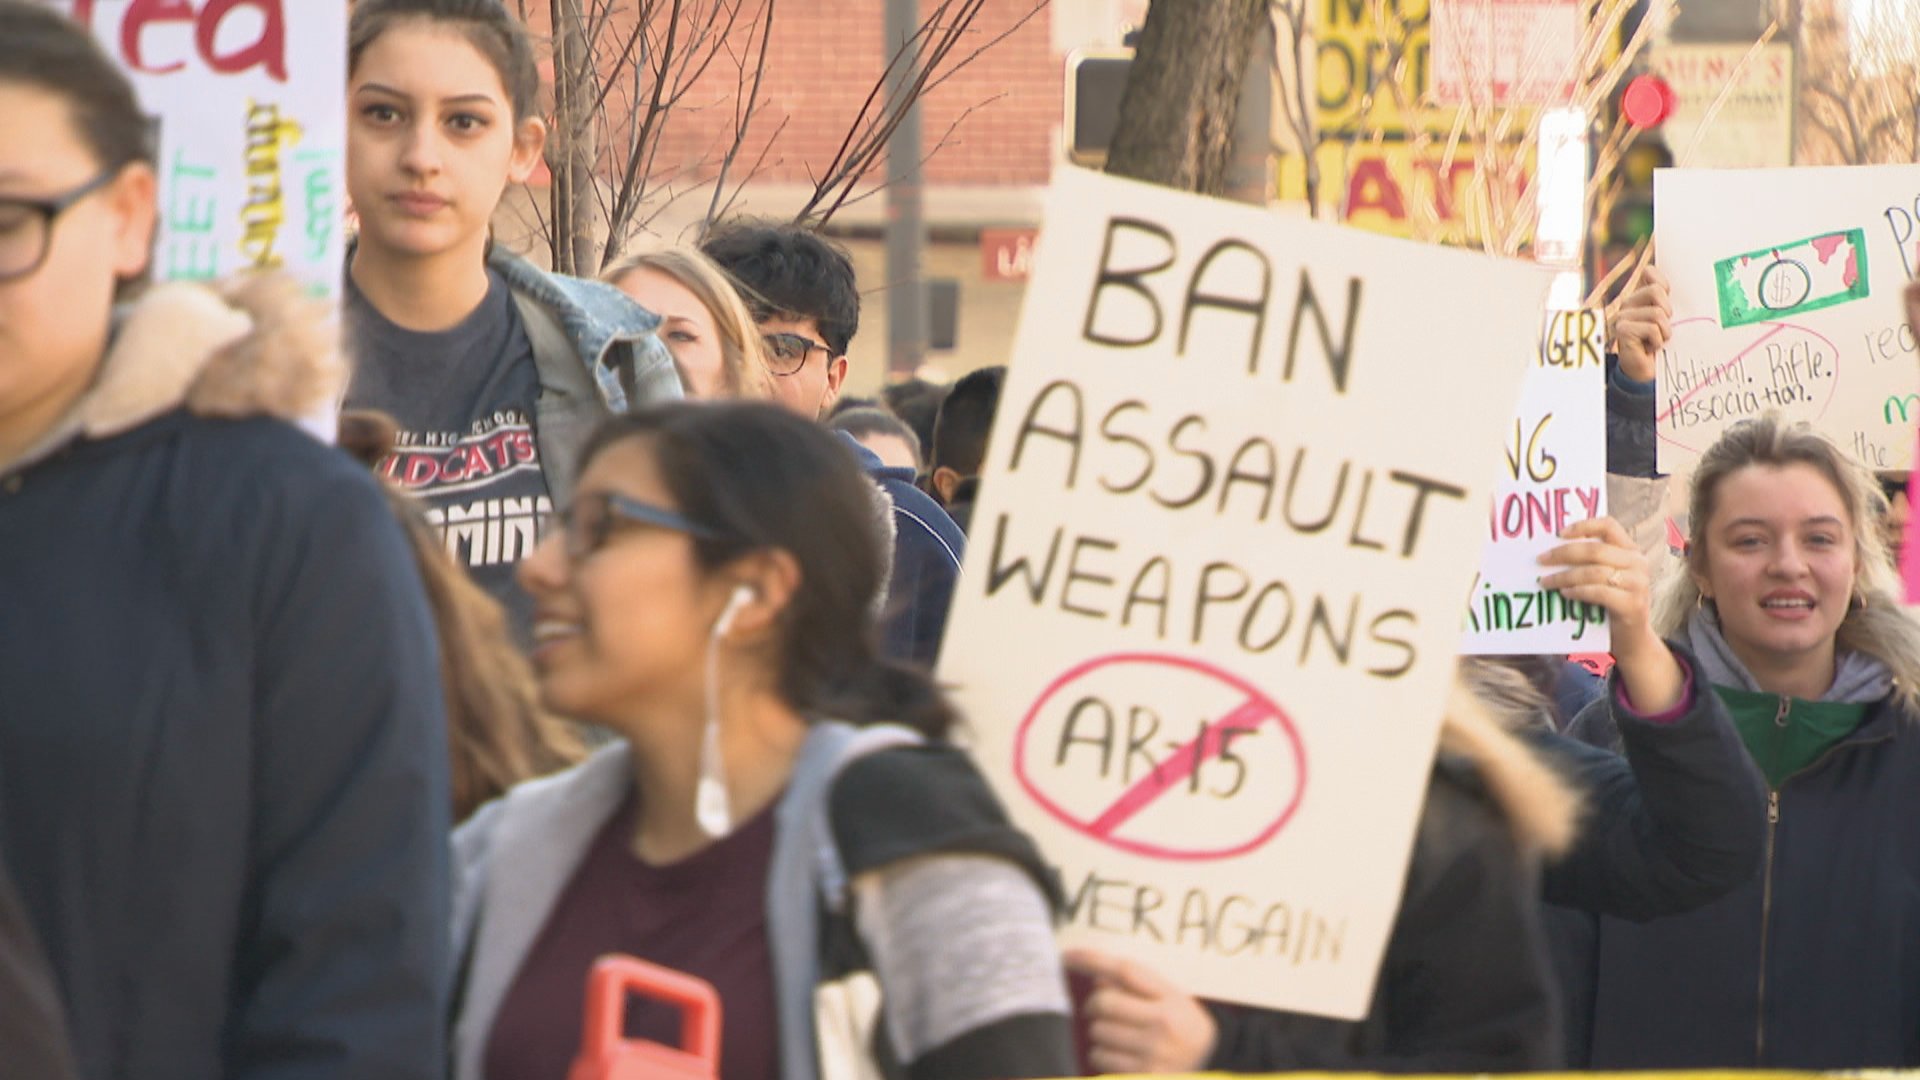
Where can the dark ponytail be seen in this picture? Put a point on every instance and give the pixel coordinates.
(763, 478)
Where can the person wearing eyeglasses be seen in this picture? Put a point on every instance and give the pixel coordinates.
(783, 816)
(802, 293)
(223, 763)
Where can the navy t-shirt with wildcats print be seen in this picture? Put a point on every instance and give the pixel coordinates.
(463, 398)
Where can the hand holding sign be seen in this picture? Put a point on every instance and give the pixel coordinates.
(1643, 324)
(1137, 1021)
(1605, 567)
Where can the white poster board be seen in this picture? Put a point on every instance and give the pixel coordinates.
(250, 101)
(1555, 474)
(1505, 52)
(1753, 128)
(1786, 296)
(1235, 492)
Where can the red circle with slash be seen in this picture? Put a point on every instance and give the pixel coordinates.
(1255, 711)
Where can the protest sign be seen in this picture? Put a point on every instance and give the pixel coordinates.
(1555, 474)
(1786, 297)
(1234, 495)
(252, 132)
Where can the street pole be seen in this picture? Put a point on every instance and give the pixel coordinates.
(906, 219)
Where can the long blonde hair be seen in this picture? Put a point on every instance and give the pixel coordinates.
(743, 356)
(1875, 624)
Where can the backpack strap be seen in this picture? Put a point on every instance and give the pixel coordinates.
(808, 873)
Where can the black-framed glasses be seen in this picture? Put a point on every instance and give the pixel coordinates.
(26, 226)
(590, 521)
(787, 353)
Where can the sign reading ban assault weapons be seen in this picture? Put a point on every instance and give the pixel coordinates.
(1236, 492)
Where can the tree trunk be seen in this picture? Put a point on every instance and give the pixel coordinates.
(570, 145)
(1177, 114)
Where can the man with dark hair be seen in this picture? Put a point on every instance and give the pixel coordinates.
(801, 291)
(916, 402)
(960, 439)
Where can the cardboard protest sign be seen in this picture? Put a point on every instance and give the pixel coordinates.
(1555, 474)
(252, 132)
(1786, 297)
(1236, 489)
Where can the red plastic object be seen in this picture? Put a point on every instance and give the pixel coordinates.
(605, 1051)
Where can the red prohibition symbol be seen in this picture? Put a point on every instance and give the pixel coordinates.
(1162, 756)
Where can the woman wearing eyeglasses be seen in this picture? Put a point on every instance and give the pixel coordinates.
(783, 818)
(495, 371)
(703, 322)
(223, 765)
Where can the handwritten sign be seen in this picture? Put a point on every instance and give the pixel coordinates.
(1555, 474)
(1786, 297)
(252, 132)
(1235, 492)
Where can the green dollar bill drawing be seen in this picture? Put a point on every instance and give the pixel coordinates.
(1788, 279)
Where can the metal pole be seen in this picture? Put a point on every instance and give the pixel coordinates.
(906, 221)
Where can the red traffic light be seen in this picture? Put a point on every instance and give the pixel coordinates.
(1647, 101)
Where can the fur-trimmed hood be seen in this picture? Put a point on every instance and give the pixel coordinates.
(1542, 809)
(253, 346)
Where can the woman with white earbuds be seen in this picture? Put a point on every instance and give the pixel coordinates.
(782, 817)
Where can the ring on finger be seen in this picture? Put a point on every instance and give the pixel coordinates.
(1613, 579)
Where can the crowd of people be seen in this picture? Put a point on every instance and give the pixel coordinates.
(606, 628)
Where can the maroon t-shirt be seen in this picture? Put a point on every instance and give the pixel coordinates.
(704, 915)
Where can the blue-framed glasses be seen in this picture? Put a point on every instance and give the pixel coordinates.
(591, 520)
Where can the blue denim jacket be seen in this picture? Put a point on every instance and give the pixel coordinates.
(598, 356)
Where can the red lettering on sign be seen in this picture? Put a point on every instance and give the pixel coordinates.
(1372, 187)
(269, 50)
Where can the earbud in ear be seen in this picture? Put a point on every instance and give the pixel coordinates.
(742, 596)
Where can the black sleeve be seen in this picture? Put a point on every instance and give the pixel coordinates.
(925, 800)
(342, 965)
(1465, 985)
(33, 1025)
(1630, 427)
(1676, 823)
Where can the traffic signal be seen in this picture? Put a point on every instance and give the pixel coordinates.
(1095, 80)
(1643, 104)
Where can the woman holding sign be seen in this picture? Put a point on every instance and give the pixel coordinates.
(494, 370)
(223, 767)
(1789, 602)
(1464, 985)
(783, 818)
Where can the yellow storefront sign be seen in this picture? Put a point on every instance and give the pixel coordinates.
(1382, 152)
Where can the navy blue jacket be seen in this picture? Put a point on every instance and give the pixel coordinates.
(1672, 817)
(1814, 963)
(223, 765)
(927, 547)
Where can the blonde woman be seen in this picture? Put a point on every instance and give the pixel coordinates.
(704, 323)
(1789, 603)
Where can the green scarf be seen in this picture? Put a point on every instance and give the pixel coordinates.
(1783, 745)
